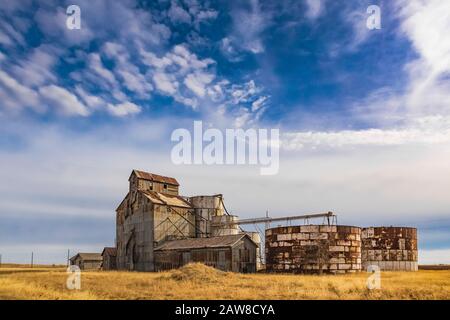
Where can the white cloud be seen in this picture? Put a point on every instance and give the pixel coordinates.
(425, 92)
(4, 39)
(181, 74)
(150, 59)
(17, 96)
(96, 65)
(229, 50)
(123, 109)
(196, 82)
(248, 26)
(131, 64)
(426, 26)
(200, 12)
(165, 83)
(258, 103)
(94, 102)
(314, 8)
(135, 81)
(36, 69)
(245, 92)
(425, 131)
(177, 14)
(9, 36)
(67, 102)
(52, 23)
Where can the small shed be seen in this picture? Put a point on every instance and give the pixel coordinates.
(87, 261)
(235, 253)
(109, 256)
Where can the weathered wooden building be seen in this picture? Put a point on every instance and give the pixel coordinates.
(109, 256)
(87, 261)
(154, 216)
(235, 253)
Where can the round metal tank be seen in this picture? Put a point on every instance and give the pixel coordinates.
(206, 207)
(223, 225)
(390, 248)
(313, 249)
(255, 236)
(213, 203)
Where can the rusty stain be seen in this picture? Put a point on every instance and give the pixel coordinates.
(313, 249)
(390, 248)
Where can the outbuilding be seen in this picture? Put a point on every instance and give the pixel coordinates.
(235, 253)
(87, 261)
(109, 256)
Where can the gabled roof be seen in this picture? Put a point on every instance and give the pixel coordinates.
(161, 199)
(109, 251)
(166, 199)
(154, 177)
(199, 243)
(88, 256)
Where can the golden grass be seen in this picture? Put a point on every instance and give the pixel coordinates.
(196, 281)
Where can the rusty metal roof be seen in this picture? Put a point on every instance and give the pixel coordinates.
(88, 256)
(199, 243)
(166, 199)
(109, 251)
(155, 177)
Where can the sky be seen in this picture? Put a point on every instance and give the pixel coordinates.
(364, 115)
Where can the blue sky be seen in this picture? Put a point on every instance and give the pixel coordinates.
(363, 114)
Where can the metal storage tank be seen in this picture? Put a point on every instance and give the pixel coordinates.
(205, 208)
(313, 249)
(213, 203)
(256, 238)
(224, 225)
(390, 248)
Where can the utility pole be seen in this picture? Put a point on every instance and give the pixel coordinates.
(268, 222)
(68, 257)
(32, 257)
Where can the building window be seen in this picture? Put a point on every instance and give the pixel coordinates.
(165, 186)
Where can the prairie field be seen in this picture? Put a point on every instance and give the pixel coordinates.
(196, 281)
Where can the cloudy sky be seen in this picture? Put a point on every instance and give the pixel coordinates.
(364, 115)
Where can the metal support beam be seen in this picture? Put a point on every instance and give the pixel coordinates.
(268, 219)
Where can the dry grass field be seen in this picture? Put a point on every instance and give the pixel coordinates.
(196, 281)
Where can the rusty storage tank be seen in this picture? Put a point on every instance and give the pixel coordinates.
(206, 207)
(390, 248)
(313, 249)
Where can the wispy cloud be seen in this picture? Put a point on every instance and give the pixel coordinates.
(249, 22)
(421, 131)
(314, 8)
